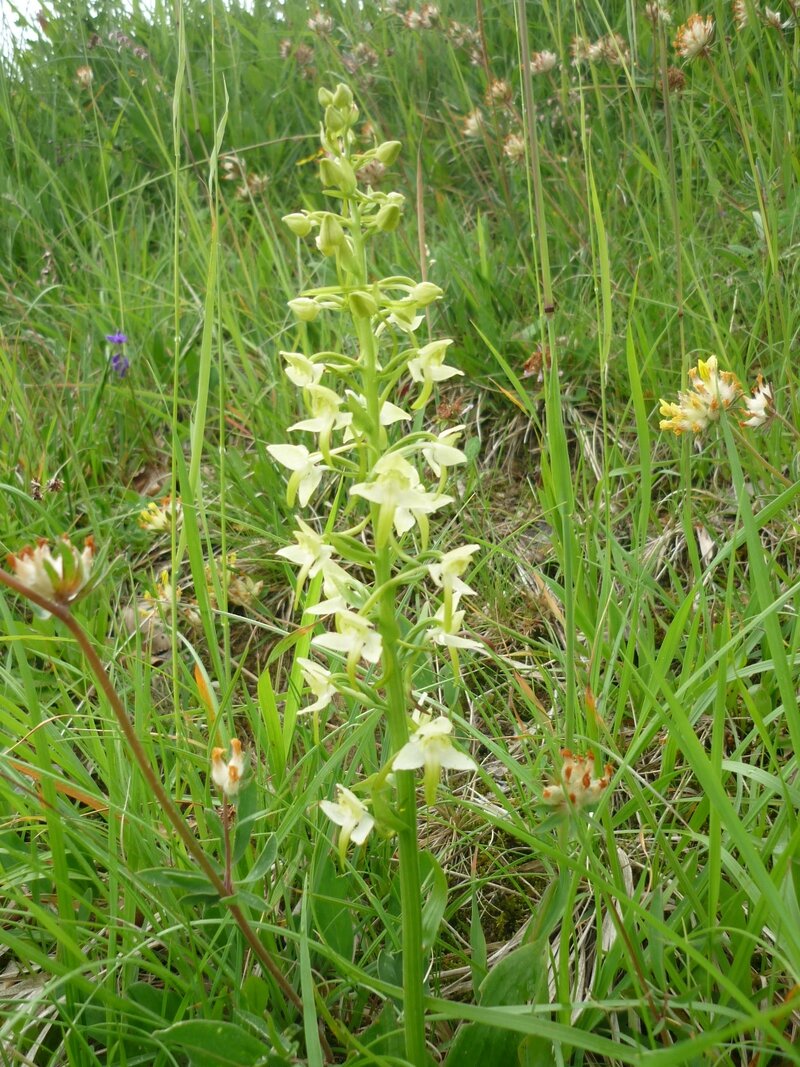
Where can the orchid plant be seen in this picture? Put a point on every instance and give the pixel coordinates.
(357, 434)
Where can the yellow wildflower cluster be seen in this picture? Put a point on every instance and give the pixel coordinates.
(712, 391)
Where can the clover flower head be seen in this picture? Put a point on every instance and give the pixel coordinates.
(163, 597)
(712, 392)
(351, 816)
(578, 786)
(320, 23)
(499, 93)
(318, 680)
(741, 14)
(241, 588)
(227, 775)
(720, 387)
(514, 148)
(58, 573)
(84, 76)
(773, 20)
(586, 51)
(614, 49)
(657, 12)
(306, 468)
(694, 37)
(543, 62)
(431, 749)
(157, 516)
(472, 124)
(761, 406)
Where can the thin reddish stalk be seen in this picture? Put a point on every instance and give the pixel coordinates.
(62, 612)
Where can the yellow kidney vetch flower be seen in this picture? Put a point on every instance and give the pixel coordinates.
(713, 391)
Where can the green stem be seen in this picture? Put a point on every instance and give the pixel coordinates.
(408, 851)
(62, 612)
(396, 699)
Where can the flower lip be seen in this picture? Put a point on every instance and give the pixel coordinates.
(117, 338)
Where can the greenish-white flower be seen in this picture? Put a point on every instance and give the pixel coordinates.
(326, 415)
(431, 748)
(446, 629)
(441, 453)
(318, 680)
(447, 572)
(301, 371)
(355, 637)
(305, 308)
(397, 488)
(428, 367)
(306, 470)
(310, 554)
(352, 818)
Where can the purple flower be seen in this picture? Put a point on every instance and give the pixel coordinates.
(120, 364)
(117, 338)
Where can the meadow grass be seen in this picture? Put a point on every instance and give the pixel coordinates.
(597, 231)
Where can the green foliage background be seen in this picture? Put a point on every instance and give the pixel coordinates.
(662, 929)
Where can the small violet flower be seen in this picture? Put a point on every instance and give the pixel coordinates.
(431, 749)
(120, 364)
(117, 338)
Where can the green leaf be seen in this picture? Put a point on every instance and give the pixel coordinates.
(432, 875)
(477, 942)
(515, 980)
(332, 905)
(265, 861)
(218, 1044)
(184, 882)
(272, 722)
